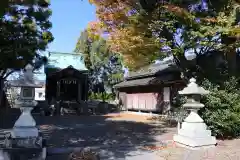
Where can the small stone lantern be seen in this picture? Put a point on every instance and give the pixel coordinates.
(193, 132)
(24, 140)
(25, 126)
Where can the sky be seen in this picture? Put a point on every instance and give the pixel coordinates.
(69, 18)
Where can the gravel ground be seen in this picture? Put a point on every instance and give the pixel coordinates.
(122, 137)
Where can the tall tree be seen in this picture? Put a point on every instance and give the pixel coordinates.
(24, 33)
(179, 27)
(200, 27)
(83, 46)
(126, 25)
(105, 67)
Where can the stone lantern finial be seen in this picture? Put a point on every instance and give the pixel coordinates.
(29, 67)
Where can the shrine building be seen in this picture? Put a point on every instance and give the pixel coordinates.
(151, 89)
(66, 77)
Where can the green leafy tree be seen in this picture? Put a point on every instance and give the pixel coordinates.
(222, 108)
(83, 46)
(104, 66)
(24, 33)
(198, 27)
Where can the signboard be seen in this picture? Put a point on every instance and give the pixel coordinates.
(69, 81)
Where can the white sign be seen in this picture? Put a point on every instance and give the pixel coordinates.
(39, 94)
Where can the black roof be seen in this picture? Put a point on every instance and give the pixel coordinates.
(153, 74)
(152, 70)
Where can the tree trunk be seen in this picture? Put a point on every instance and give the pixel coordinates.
(231, 57)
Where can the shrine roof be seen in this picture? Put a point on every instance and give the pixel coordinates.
(164, 79)
(152, 70)
(57, 60)
(160, 73)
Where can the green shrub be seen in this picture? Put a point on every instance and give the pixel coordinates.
(101, 96)
(178, 111)
(222, 109)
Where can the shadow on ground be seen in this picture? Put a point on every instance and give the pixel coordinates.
(113, 139)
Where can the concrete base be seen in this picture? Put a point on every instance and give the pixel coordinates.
(24, 154)
(150, 114)
(25, 119)
(43, 154)
(4, 155)
(195, 148)
(194, 133)
(195, 142)
(24, 132)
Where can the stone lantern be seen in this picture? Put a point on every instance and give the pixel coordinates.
(24, 137)
(193, 132)
(25, 126)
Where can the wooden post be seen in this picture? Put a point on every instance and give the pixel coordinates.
(58, 98)
(80, 91)
(86, 87)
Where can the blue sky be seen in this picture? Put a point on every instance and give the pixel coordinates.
(69, 18)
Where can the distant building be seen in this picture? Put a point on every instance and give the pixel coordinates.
(151, 88)
(40, 94)
(66, 77)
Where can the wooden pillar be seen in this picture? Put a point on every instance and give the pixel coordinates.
(79, 84)
(58, 91)
(58, 98)
(166, 98)
(85, 87)
(47, 90)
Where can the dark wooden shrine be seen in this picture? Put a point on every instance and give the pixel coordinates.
(67, 84)
(151, 88)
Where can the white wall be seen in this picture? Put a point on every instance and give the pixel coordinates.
(40, 94)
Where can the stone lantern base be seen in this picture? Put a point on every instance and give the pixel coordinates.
(194, 133)
(25, 126)
(25, 132)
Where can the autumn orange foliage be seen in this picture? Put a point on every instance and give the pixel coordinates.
(123, 36)
(113, 13)
(127, 37)
(95, 29)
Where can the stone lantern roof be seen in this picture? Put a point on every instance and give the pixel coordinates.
(27, 80)
(193, 89)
